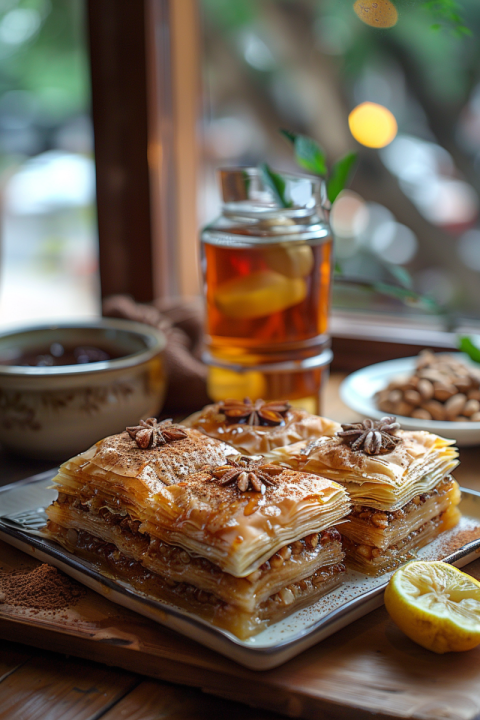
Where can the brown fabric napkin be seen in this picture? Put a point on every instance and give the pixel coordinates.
(182, 323)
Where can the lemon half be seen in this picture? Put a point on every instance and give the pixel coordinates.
(436, 605)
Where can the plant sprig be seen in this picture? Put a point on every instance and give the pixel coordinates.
(276, 183)
(447, 11)
(311, 157)
(466, 345)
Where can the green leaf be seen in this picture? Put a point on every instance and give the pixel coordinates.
(308, 153)
(289, 135)
(246, 182)
(339, 175)
(466, 345)
(408, 297)
(401, 275)
(448, 11)
(276, 183)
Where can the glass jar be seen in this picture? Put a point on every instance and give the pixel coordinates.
(267, 281)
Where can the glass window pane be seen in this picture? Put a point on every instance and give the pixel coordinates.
(49, 249)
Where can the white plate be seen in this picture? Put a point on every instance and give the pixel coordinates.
(358, 392)
(357, 596)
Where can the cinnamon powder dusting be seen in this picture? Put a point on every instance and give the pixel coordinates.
(459, 540)
(43, 588)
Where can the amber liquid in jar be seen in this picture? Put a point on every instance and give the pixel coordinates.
(267, 281)
(267, 300)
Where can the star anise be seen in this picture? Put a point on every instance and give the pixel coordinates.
(257, 413)
(372, 437)
(151, 433)
(247, 473)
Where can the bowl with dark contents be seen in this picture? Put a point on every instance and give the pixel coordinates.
(62, 387)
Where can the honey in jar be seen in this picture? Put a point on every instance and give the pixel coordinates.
(267, 280)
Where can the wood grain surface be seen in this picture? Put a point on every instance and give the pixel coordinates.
(369, 667)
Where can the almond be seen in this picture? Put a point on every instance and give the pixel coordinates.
(471, 407)
(404, 409)
(413, 397)
(395, 396)
(425, 388)
(443, 391)
(435, 409)
(463, 384)
(421, 414)
(454, 406)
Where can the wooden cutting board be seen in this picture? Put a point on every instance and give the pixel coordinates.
(369, 667)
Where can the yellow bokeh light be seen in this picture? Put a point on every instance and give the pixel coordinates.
(372, 125)
(376, 13)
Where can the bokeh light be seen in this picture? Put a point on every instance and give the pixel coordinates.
(394, 242)
(372, 125)
(448, 202)
(349, 216)
(376, 13)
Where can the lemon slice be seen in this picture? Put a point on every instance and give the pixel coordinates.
(259, 294)
(293, 262)
(436, 605)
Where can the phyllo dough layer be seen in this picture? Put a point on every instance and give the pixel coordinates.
(375, 561)
(260, 437)
(237, 531)
(249, 541)
(385, 482)
(109, 559)
(293, 562)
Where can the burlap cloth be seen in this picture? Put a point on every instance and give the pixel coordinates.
(182, 323)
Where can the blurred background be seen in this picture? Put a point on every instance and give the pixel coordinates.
(48, 240)
(305, 65)
(410, 215)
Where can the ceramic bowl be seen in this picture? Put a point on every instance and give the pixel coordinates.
(55, 412)
(358, 391)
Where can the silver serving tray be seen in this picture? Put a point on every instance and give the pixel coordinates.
(22, 506)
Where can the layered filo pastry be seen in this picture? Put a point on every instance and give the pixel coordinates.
(237, 541)
(255, 428)
(400, 484)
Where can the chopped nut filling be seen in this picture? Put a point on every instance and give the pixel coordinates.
(204, 603)
(382, 519)
(297, 551)
(367, 558)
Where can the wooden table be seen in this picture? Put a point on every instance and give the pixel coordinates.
(47, 686)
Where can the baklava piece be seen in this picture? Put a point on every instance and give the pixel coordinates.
(236, 541)
(255, 428)
(400, 484)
